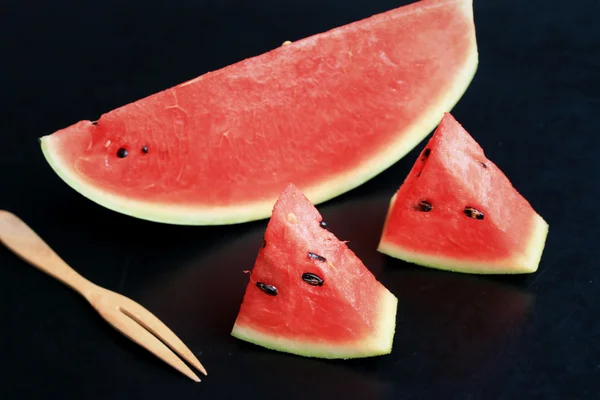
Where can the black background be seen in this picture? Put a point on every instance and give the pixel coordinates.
(533, 106)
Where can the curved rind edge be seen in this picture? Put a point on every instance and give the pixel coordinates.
(377, 344)
(525, 262)
(155, 212)
(327, 190)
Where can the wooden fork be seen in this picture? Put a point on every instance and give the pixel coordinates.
(127, 316)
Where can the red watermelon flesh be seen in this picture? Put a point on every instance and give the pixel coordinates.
(456, 210)
(328, 112)
(340, 311)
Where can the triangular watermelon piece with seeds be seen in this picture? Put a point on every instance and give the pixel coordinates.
(309, 294)
(457, 211)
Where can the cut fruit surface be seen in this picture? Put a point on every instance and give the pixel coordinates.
(328, 112)
(309, 294)
(456, 210)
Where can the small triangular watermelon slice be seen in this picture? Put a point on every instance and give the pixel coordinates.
(309, 294)
(457, 211)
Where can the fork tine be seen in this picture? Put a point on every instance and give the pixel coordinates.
(149, 321)
(130, 328)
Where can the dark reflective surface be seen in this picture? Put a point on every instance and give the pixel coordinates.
(449, 326)
(532, 106)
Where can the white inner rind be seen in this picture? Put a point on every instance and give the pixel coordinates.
(210, 214)
(521, 262)
(378, 342)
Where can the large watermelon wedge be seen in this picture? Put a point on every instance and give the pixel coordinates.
(309, 294)
(328, 112)
(456, 210)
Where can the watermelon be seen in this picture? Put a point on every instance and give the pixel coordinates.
(456, 210)
(309, 294)
(327, 112)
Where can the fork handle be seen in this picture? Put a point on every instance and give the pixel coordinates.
(23, 241)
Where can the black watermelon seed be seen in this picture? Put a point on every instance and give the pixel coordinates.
(427, 152)
(122, 152)
(312, 279)
(424, 206)
(145, 149)
(264, 243)
(316, 257)
(268, 289)
(483, 164)
(473, 213)
(418, 174)
(323, 225)
(94, 122)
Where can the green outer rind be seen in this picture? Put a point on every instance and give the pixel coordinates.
(152, 211)
(379, 343)
(326, 190)
(526, 262)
